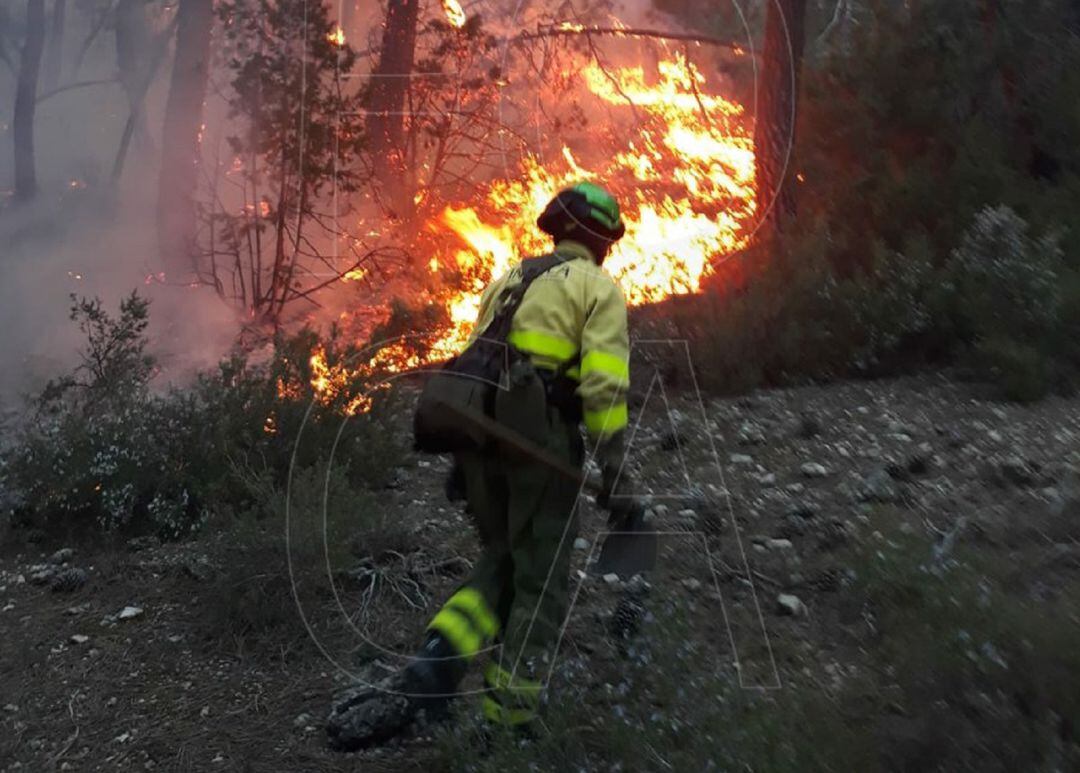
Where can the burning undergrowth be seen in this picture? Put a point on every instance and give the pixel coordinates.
(654, 129)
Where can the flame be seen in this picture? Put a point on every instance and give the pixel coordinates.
(337, 36)
(455, 14)
(684, 180)
(686, 186)
(334, 382)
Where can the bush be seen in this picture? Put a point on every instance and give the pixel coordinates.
(793, 318)
(272, 566)
(104, 451)
(981, 675)
(101, 447)
(1002, 300)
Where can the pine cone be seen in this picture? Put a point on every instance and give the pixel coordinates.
(68, 580)
(626, 619)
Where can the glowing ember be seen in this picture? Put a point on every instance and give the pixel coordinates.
(454, 13)
(332, 383)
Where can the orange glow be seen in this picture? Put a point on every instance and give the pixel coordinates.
(684, 178)
(455, 14)
(686, 188)
(337, 37)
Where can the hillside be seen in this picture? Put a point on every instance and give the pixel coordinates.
(910, 605)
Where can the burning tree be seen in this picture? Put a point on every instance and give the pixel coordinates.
(267, 237)
(430, 104)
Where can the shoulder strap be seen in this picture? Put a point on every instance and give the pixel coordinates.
(510, 300)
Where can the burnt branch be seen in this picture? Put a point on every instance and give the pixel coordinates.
(626, 32)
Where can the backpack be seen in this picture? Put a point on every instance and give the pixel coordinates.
(471, 378)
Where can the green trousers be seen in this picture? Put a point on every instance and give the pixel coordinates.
(526, 518)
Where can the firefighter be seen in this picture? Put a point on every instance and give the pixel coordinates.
(572, 327)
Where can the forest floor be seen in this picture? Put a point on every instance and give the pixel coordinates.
(825, 553)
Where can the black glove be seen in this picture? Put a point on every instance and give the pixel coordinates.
(616, 485)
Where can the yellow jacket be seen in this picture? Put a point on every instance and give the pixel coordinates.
(573, 313)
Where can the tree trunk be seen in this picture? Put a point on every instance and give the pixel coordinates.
(777, 102)
(386, 97)
(26, 101)
(181, 136)
(54, 64)
(134, 57)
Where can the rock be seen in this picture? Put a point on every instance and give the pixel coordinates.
(768, 479)
(10, 708)
(793, 526)
(750, 435)
(660, 511)
(41, 575)
(809, 427)
(804, 510)
(302, 720)
(878, 486)
(917, 464)
(581, 544)
(79, 638)
(692, 584)
(1018, 472)
(790, 605)
(742, 459)
(814, 470)
(68, 580)
(687, 514)
(779, 544)
(834, 534)
(62, 556)
(611, 578)
(129, 613)
(146, 542)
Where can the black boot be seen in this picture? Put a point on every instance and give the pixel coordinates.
(432, 678)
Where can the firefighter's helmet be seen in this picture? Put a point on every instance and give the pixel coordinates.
(584, 208)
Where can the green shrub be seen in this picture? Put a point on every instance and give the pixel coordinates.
(274, 567)
(981, 675)
(793, 318)
(1002, 300)
(104, 451)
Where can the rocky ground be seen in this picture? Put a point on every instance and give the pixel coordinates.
(768, 507)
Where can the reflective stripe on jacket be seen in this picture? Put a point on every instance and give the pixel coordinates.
(574, 313)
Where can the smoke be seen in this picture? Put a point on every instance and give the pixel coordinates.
(85, 236)
(83, 244)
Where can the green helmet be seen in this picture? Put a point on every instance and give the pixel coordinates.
(586, 206)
